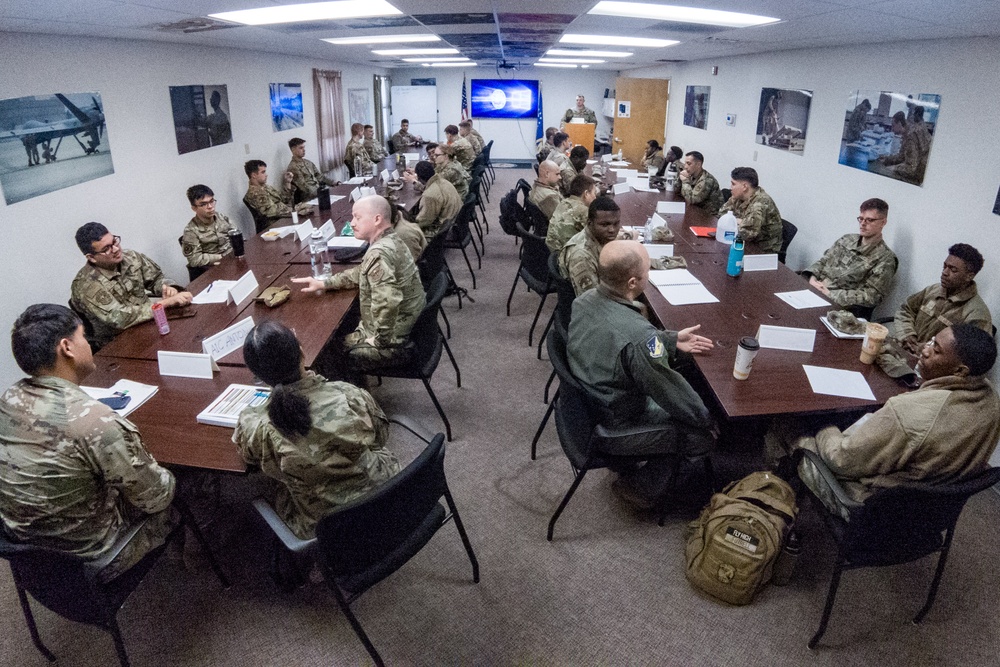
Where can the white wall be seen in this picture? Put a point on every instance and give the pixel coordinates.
(144, 199)
(821, 197)
(515, 139)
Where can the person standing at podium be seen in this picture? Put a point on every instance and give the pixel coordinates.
(579, 111)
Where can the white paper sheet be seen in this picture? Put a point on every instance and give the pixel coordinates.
(607, 157)
(803, 299)
(344, 242)
(313, 202)
(336, 198)
(837, 382)
(618, 163)
(658, 250)
(217, 292)
(640, 184)
(786, 338)
(671, 207)
(672, 277)
(627, 173)
(356, 180)
(138, 392)
(684, 295)
(282, 232)
(760, 262)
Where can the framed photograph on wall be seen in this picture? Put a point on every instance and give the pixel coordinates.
(201, 117)
(50, 142)
(286, 106)
(696, 99)
(783, 118)
(359, 104)
(889, 134)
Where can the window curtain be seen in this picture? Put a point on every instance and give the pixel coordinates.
(381, 86)
(329, 118)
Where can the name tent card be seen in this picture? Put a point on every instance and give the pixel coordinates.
(786, 338)
(186, 364)
(760, 262)
(355, 194)
(670, 207)
(243, 288)
(620, 188)
(328, 230)
(657, 221)
(386, 175)
(228, 340)
(658, 250)
(304, 231)
(395, 174)
(367, 192)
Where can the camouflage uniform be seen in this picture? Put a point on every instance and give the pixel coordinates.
(306, 177)
(558, 156)
(569, 218)
(545, 197)
(391, 298)
(411, 234)
(402, 140)
(376, 151)
(114, 300)
(856, 274)
(911, 161)
(567, 172)
(543, 151)
(268, 202)
(586, 114)
(456, 174)
(476, 140)
(74, 475)
(759, 219)
(439, 204)
(341, 458)
(579, 257)
(206, 244)
(356, 149)
(655, 160)
(702, 192)
(464, 152)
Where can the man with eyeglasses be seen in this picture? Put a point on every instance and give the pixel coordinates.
(114, 289)
(855, 273)
(206, 237)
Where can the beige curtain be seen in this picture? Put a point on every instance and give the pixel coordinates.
(329, 118)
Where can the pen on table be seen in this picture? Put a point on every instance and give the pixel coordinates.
(209, 288)
(122, 393)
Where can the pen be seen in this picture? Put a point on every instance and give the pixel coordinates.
(209, 288)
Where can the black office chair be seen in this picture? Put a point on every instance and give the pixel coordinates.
(788, 232)
(726, 194)
(193, 271)
(362, 542)
(69, 585)
(583, 438)
(459, 237)
(260, 221)
(534, 271)
(427, 342)
(539, 223)
(564, 305)
(894, 526)
(88, 326)
(511, 213)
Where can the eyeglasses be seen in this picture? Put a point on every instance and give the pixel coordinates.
(116, 242)
(868, 221)
(206, 204)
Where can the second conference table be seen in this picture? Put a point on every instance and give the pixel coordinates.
(778, 384)
(168, 420)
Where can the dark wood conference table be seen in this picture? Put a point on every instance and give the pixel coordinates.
(777, 385)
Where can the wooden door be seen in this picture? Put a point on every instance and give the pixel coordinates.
(645, 118)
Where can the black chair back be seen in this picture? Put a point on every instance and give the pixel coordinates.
(788, 232)
(461, 231)
(534, 261)
(260, 221)
(511, 213)
(564, 291)
(575, 421)
(539, 223)
(426, 335)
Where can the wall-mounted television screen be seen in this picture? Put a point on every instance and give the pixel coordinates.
(503, 98)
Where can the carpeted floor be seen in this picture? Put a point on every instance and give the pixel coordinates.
(610, 590)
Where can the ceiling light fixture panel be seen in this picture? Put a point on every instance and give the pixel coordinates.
(615, 40)
(311, 11)
(382, 39)
(645, 10)
(587, 53)
(415, 52)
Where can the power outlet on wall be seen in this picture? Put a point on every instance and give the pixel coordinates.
(246, 147)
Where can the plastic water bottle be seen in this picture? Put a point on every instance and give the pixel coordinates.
(735, 266)
(647, 232)
(319, 255)
(357, 165)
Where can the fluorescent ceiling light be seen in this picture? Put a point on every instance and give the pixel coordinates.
(435, 59)
(466, 64)
(614, 40)
(383, 39)
(313, 11)
(414, 52)
(583, 53)
(593, 61)
(554, 65)
(643, 10)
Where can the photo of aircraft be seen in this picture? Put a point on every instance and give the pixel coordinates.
(34, 133)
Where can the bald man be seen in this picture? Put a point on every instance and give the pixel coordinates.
(389, 291)
(545, 193)
(629, 367)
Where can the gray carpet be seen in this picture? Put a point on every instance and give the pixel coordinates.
(609, 590)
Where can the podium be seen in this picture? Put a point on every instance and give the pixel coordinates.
(581, 134)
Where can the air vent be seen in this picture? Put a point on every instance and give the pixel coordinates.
(192, 25)
(664, 60)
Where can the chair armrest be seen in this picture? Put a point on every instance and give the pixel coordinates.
(123, 540)
(280, 528)
(830, 479)
(412, 427)
(632, 431)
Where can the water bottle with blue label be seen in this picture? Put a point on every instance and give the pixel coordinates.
(735, 266)
(319, 255)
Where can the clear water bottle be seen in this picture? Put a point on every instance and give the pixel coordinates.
(735, 266)
(357, 165)
(320, 256)
(647, 232)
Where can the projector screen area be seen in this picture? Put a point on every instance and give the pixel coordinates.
(503, 98)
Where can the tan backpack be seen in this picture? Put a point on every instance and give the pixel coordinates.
(732, 546)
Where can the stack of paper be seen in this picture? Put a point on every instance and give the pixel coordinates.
(837, 382)
(680, 287)
(802, 299)
(138, 393)
(217, 292)
(226, 409)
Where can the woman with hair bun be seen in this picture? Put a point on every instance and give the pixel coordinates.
(324, 441)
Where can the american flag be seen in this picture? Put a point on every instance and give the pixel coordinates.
(465, 101)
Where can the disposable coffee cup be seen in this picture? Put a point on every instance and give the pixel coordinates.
(160, 317)
(875, 334)
(236, 241)
(745, 353)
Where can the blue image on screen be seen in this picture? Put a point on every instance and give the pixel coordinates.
(501, 98)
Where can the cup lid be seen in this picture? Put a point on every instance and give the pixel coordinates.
(749, 343)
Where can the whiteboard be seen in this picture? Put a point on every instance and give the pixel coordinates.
(417, 104)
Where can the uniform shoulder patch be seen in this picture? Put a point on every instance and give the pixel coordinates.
(655, 347)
